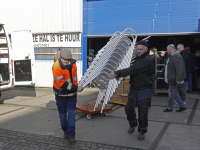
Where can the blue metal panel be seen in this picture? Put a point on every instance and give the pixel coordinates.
(144, 16)
(84, 37)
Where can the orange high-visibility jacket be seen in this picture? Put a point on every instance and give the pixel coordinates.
(65, 83)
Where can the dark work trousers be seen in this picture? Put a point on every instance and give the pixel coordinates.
(142, 100)
(66, 108)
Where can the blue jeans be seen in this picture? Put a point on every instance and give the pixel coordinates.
(66, 108)
(140, 99)
(173, 95)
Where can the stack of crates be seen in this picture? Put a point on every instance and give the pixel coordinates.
(120, 96)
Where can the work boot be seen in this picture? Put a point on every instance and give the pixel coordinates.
(131, 129)
(141, 136)
(71, 139)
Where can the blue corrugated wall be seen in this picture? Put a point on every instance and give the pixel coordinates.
(104, 17)
(84, 37)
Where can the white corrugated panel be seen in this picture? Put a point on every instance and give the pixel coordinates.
(44, 16)
(44, 77)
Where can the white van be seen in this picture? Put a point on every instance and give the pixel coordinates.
(17, 60)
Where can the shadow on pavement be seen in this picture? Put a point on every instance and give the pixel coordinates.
(17, 91)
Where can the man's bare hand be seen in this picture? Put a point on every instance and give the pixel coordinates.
(111, 75)
(80, 89)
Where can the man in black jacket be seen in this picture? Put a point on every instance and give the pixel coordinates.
(141, 81)
(186, 54)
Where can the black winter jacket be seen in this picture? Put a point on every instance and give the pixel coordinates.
(175, 69)
(141, 72)
(186, 54)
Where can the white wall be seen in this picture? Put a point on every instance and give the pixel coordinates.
(44, 77)
(44, 16)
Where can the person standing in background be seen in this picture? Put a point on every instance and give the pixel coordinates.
(186, 57)
(57, 55)
(197, 70)
(153, 56)
(191, 70)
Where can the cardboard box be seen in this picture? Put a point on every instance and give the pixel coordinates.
(119, 99)
(120, 88)
(121, 93)
(126, 89)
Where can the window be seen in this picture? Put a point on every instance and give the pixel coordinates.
(48, 53)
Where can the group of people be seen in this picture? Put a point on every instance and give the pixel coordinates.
(141, 71)
(192, 65)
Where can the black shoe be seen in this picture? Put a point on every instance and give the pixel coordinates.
(167, 110)
(141, 136)
(131, 129)
(71, 139)
(65, 134)
(181, 109)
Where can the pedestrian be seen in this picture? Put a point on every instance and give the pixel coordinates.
(155, 51)
(174, 75)
(153, 57)
(191, 70)
(197, 70)
(57, 55)
(65, 87)
(161, 61)
(185, 53)
(162, 57)
(141, 81)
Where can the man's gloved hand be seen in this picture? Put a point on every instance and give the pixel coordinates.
(79, 89)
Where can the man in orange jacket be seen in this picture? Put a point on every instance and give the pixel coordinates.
(65, 87)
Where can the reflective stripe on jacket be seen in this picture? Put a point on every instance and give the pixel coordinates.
(65, 82)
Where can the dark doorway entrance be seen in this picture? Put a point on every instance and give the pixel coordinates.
(160, 42)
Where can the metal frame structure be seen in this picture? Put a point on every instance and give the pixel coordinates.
(115, 55)
(159, 83)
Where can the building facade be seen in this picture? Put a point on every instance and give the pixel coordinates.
(85, 26)
(54, 24)
(167, 22)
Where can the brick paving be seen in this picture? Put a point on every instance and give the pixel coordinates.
(15, 140)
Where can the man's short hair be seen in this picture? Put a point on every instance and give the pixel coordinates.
(171, 46)
(181, 45)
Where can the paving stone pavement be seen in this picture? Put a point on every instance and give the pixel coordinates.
(15, 140)
(29, 121)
